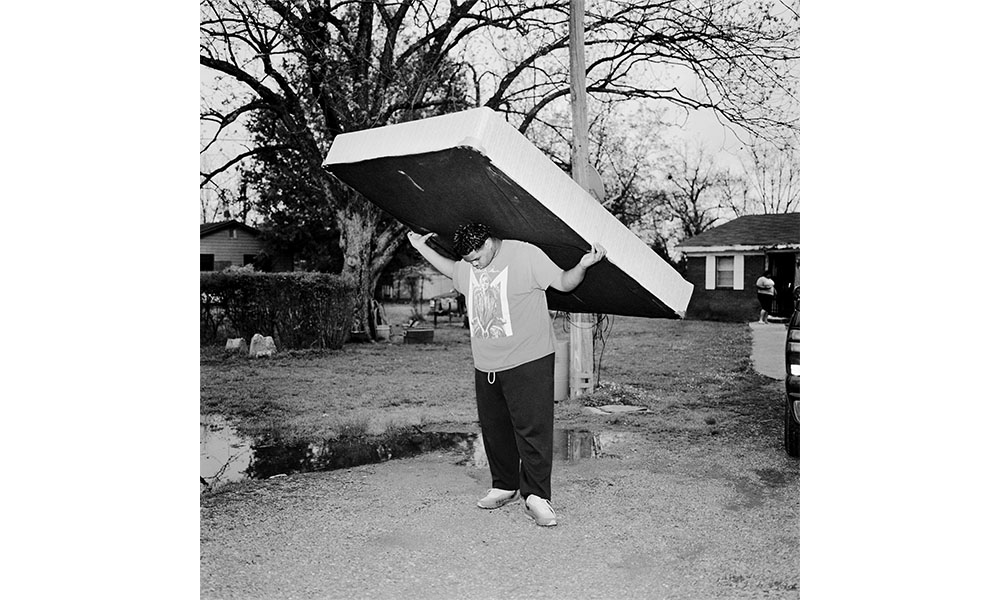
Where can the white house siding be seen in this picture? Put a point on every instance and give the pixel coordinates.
(228, 249)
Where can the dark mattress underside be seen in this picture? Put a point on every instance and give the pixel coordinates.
(440, 191)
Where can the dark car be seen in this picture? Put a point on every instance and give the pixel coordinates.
(792, 358)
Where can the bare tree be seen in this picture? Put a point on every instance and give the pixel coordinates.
(297, 73)
(766, 183)
(625, 154)
(772, 178)
(689, 203)
(229, 202)
(671, 191)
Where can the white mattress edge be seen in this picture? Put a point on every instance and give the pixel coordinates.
(488, 133)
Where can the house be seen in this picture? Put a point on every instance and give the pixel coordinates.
(724, 263)
(231, 243)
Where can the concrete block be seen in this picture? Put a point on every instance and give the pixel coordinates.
(262, 346)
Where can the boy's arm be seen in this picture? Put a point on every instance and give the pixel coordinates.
(573, 277)
(443, 264)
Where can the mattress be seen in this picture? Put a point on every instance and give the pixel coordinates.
(439, 173)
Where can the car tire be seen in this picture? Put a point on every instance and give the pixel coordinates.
(791, 432)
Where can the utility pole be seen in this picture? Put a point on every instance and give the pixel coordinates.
(581, 331)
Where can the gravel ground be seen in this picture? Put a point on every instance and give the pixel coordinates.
(694, 500)
(661, 520)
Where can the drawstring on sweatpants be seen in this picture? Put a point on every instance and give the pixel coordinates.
(491, 377)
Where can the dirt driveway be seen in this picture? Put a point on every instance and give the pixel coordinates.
(705, 521)
(660, 514)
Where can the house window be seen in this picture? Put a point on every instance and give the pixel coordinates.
(207, 262)
(724, 270)
(232, 233)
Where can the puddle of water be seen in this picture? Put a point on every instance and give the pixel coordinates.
(571, 445)
(227, 456)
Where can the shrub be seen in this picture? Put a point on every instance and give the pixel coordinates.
(299, 310)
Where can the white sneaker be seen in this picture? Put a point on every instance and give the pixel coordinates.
(496, 498)
(540, 510)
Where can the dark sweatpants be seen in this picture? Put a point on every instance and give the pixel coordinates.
(516, 414)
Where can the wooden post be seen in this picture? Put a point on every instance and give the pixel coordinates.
(581, 331)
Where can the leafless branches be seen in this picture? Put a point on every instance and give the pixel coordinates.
(771, 179)
(294, 74)
(331, 67)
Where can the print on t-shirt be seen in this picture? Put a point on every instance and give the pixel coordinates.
(489, 309)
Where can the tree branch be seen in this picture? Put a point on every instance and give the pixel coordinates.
(207, 177)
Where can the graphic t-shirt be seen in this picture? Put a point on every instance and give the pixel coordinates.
(509, 320)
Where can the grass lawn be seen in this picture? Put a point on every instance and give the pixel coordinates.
(695, 376)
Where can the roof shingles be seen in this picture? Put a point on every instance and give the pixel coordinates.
(750, 230)
(210, 228)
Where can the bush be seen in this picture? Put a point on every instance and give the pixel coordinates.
(299, 310)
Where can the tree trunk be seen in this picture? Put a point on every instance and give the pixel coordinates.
(368, 242)
(357, 231)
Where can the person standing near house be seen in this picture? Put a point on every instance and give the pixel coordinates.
(513, 350)
(765, 294)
